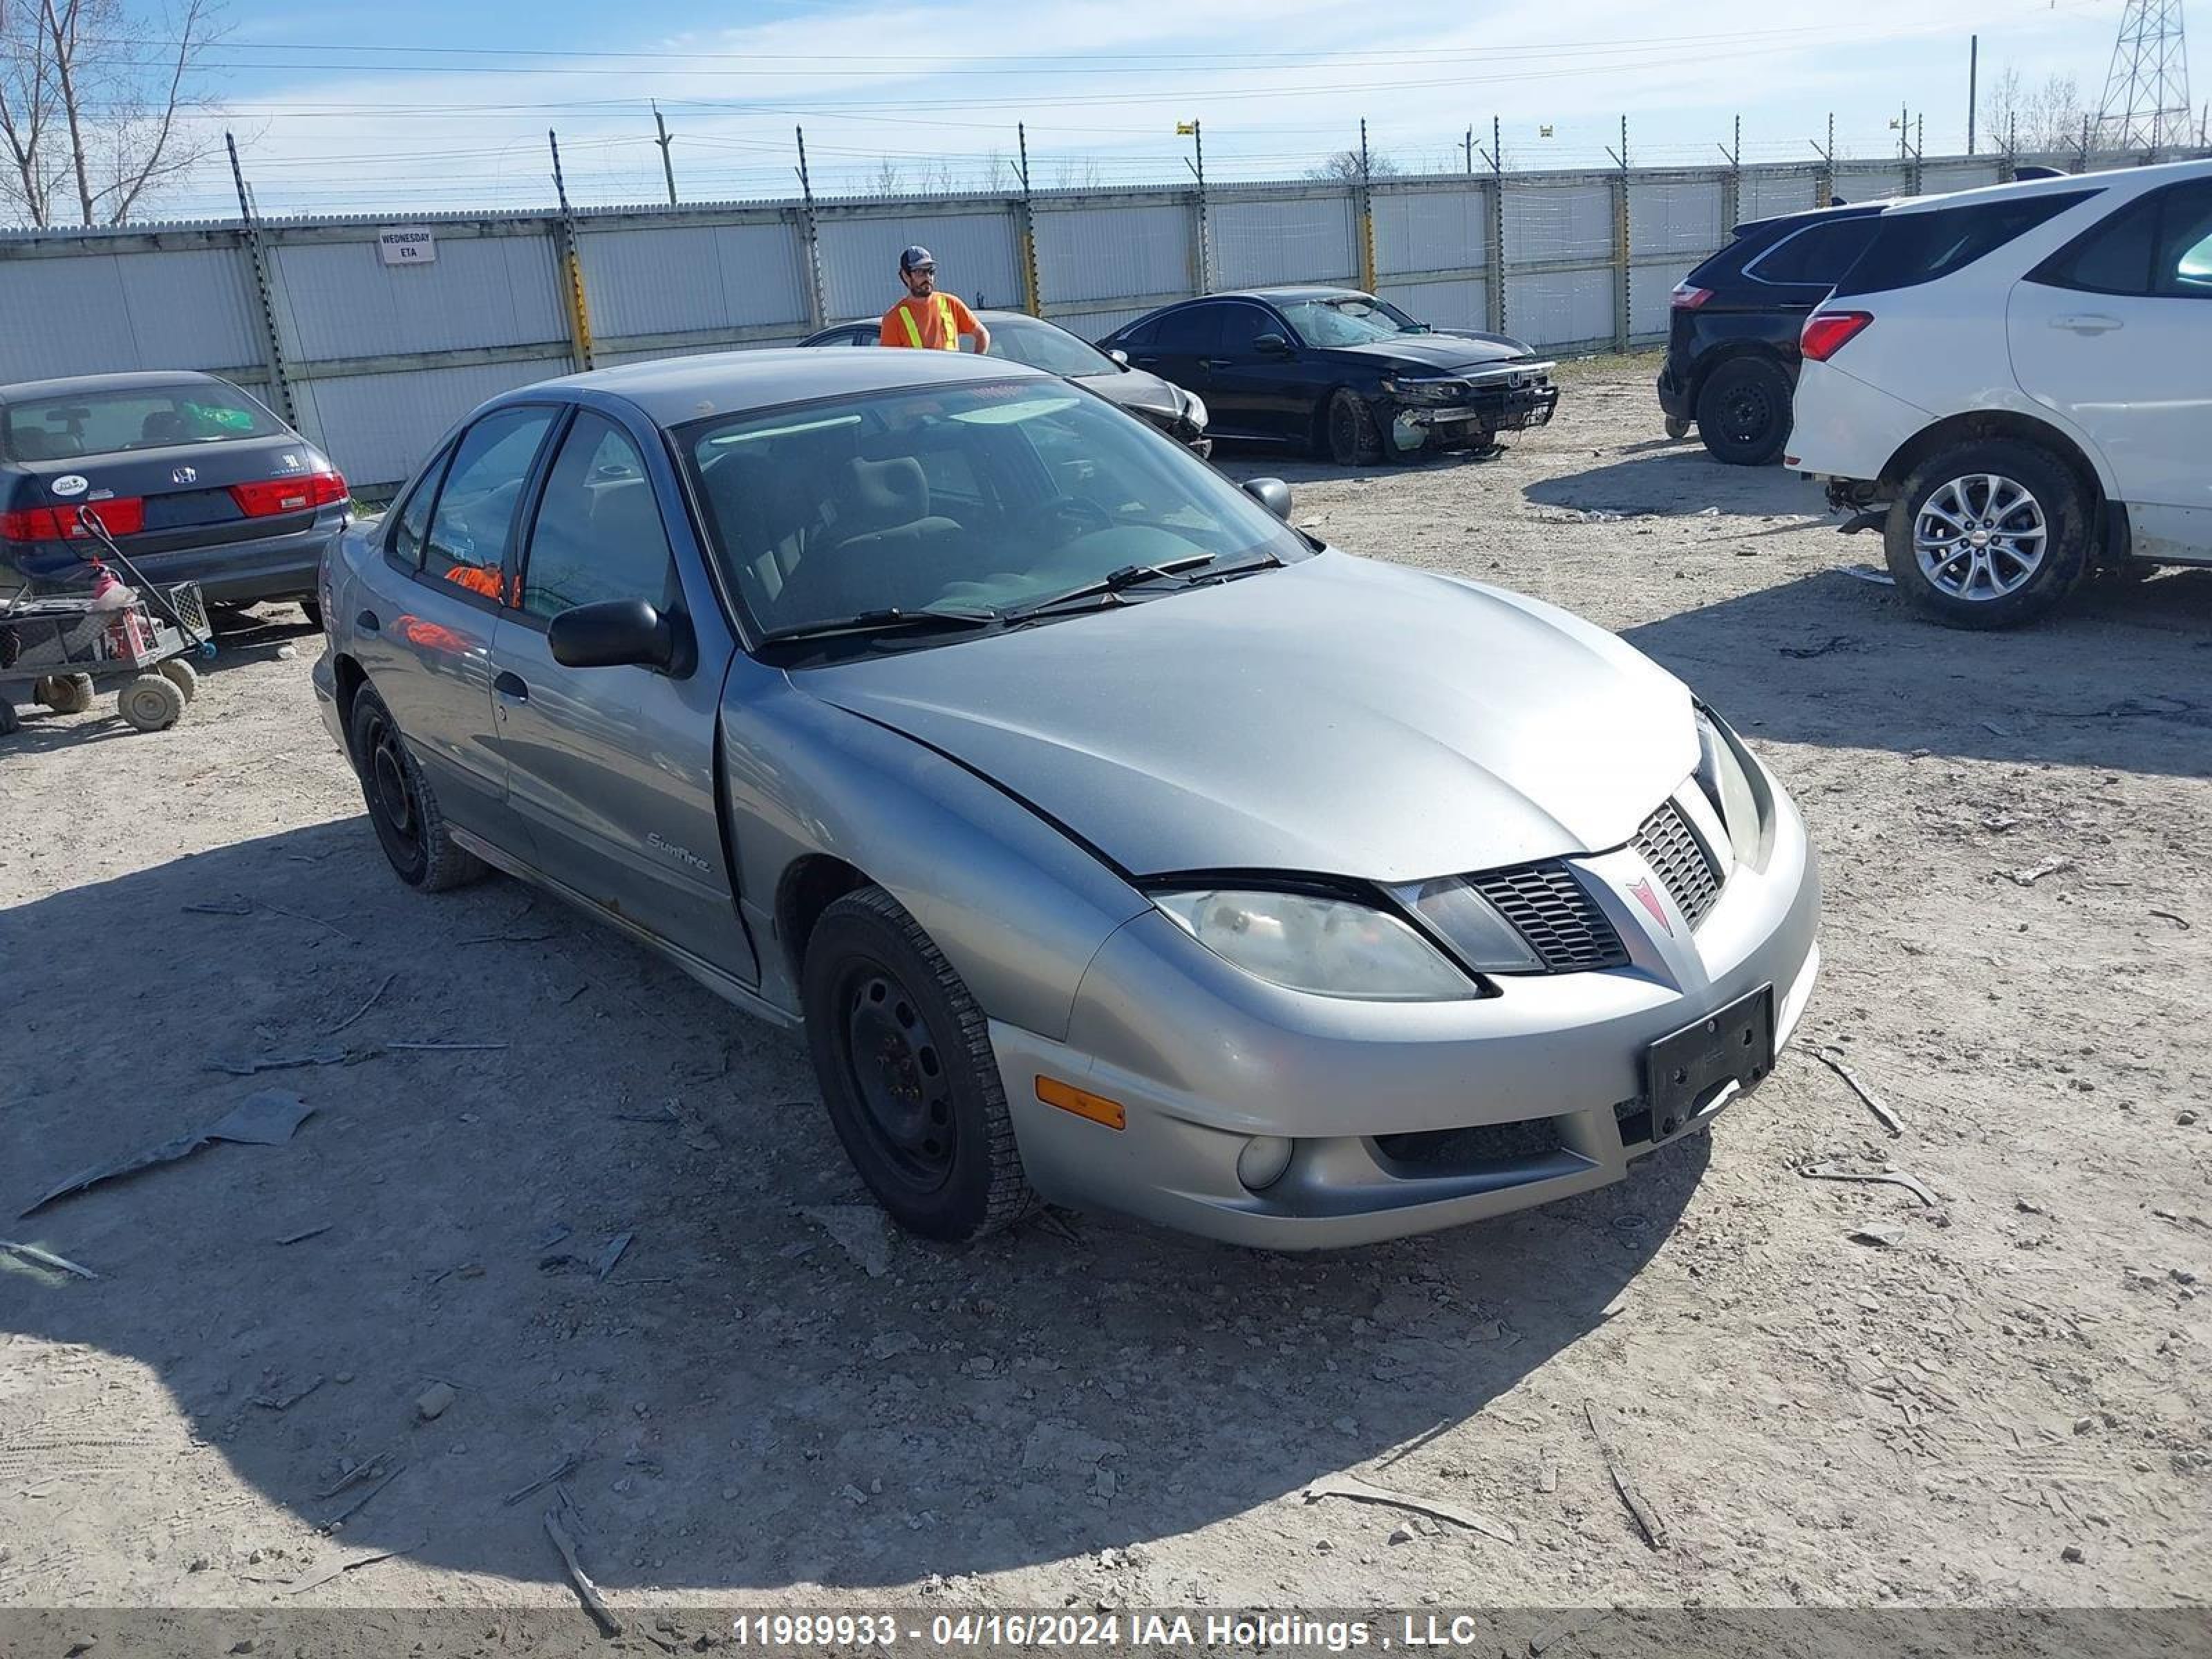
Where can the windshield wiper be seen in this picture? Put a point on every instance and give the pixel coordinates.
(887, 621)
(1113, 583)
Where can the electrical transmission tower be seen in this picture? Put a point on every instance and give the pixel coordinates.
(2147, 93)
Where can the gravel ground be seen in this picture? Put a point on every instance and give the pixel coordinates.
(770, 1400)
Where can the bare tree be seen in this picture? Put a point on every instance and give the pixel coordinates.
(2036, 119)
(96, 98)
(1344, 168)
(1073, 173)
(887, 176)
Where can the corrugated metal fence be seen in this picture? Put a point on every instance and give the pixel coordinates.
(375, 360)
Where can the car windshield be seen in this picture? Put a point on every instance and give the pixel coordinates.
(1348, 320)
(107, 421)
(972, 499)
(1040, 345)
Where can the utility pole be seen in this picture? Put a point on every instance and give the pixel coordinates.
(667, 165)
(1973, 77)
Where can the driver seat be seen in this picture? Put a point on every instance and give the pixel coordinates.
(878, 550)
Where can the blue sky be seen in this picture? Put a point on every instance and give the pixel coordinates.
(376, 107)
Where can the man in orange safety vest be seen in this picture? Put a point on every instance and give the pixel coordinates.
(926, 319)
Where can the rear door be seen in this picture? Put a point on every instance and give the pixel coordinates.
(2115, 332)
(1180, 345)
(612, 769)
(424, 631)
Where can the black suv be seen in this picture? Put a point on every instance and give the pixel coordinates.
(1732, 346)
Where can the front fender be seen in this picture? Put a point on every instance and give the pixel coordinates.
(1017, 906)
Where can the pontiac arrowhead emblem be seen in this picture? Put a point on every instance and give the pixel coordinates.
(1645, 894)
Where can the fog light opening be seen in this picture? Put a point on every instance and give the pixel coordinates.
(1263, 1160)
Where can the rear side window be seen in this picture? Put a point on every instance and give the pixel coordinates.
(1141, 335)
(407, 532)
(1909, 249)
(1193, 330)
(476, 509)
(1817, 256)
(108, 422)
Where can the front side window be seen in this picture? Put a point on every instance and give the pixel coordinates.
(1910, 248)
(598, 534)
(2160, 244)
(112, 422)
(2185, 243)
(467, 541)
(1350, 319)
(1241, 326)
(975, 499)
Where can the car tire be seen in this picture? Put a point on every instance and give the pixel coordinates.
(10, 721)
(1676, 429)
(66, 694)
(1348, 436)
(150, 703)
(902, 1053)
(1743, 412)
(181, 674)
(410, 825)
(312, 611)
(1999, 485)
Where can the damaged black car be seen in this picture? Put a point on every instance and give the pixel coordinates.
(1341, 373)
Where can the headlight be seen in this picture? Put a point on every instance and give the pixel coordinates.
(1725, 777)
(1428, 391)
(1331, 947)
(1193, 409)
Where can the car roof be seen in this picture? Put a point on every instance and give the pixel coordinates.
(1303, 291)
(1809, 216)
(27, 391)
(673, 389)
(2137, 180)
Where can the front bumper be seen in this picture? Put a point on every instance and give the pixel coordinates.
(1487, 412)
(1503, 1103)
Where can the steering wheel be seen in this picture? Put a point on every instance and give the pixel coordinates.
(1079, 513)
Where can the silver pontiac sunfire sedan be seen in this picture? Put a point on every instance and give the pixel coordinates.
(1115, 842)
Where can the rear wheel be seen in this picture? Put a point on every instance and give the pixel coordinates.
(1989, 534)
(401, 804)
(181, 674)
(10, 721)
(903, 1056)
(66, 694)
(1677, 429)
(1743, 412)
(150, 703)
(1348, 429)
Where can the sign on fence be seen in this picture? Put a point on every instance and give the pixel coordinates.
(409, 245)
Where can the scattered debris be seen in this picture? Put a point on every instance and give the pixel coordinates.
(1882, 1233)
(1548, 1469)
(552, 1234)
(860, 1229)
(239, 905)
(610, 1254)
(1991, 726)
(365, 1006)
(1060, 1446)
(442, 1048)
(285, 1402)
(1647, 1518)
(46, 1258)
(233, 907)
(304, 1233)
(506, 938)
(2168, 915)
(433, 1402)
(586, 1591)
(267, 1118)
(1891, 1176)
(359, 1473)
(2029, 878)
(1835, 642)
(1351, 1487)
(286, 1062)
(560, 1471)
(354, 1507)
(2073, 1553)
(330, 1570)
(1866, 572)
(1832, 1059)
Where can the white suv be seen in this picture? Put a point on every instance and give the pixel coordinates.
(2023, 375)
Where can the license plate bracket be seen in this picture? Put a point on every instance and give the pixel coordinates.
(1683, 1073)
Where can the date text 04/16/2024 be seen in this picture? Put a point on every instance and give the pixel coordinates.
(1048, 1630)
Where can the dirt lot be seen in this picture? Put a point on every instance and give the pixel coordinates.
(773, 1401)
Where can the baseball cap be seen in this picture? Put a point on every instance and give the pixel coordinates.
(917, 258)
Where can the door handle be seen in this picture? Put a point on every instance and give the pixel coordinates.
(511, 686)
(367, 623)
(2093, 323)
(1217, 362)
(1146, 363)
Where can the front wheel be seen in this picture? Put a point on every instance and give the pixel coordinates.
(150, 703)
(1348, 429)
(903, 1056)
(410, 824)
(1989, 534)
(181, 674)
(66, 694)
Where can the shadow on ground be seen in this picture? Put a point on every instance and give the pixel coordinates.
(753, 1407)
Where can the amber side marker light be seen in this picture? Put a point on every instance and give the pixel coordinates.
(1069, 1098)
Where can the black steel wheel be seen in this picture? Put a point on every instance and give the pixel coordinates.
(410, 824)
(1743, 412)
(903, 1056)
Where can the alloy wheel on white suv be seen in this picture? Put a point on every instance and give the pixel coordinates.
(1980, 537)
(1988, 534)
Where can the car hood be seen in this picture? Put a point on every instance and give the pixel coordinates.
(1135, 390)
(1338, 716)
(1435, 353)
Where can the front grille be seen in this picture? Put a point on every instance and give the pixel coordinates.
(1676, 856)
(1548, 907)
(1482, 1145)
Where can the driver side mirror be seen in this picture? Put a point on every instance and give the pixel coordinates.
(1272, 345)
(1119, 356)
(1272, 494)
(615, 634)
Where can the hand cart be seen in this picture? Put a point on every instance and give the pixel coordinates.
(56, 650)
